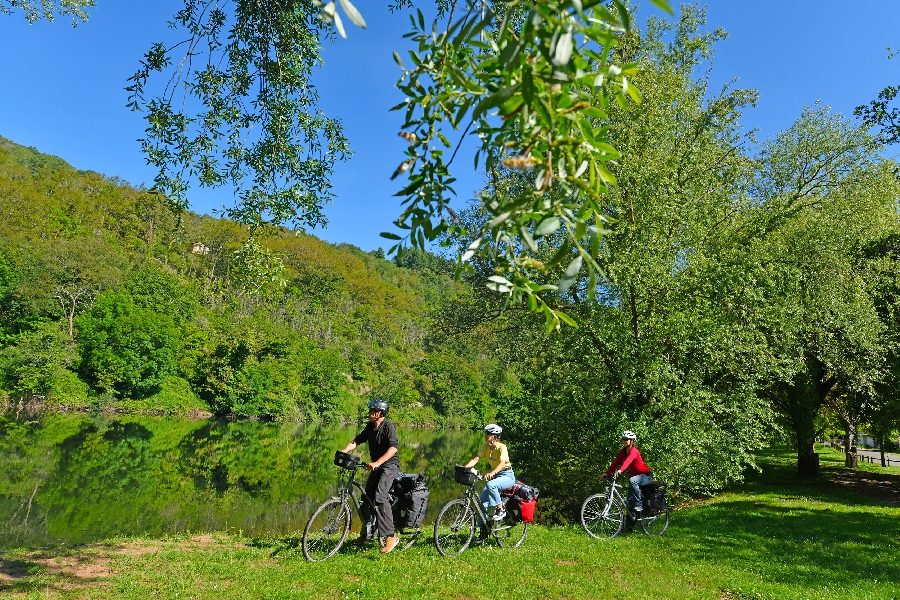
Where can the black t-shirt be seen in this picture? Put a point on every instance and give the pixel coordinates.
(379, 441)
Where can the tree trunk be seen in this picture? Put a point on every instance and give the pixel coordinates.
(851, 458)
(807, 459)
(881, 447)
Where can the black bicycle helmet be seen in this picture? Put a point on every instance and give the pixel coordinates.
(379, 405)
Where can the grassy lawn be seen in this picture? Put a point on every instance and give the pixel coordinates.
(772, 537)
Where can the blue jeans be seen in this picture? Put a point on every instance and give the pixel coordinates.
(490, 495)
(635, 499)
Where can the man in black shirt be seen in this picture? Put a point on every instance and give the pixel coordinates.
(381, 435)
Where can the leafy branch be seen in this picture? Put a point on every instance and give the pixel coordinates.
(547, 71)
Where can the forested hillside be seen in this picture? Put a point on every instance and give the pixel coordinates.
(108, 298)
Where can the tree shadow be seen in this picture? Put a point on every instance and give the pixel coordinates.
(801, 545)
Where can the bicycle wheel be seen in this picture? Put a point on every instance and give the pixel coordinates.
(326, 530)
(454, 528)
(511, 534)
(602, 518)
(655, 522)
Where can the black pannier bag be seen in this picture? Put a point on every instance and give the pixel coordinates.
(514, 508)
(525, 491)
(654, 494)
(412, 506)
(406, 482)
(464, 475)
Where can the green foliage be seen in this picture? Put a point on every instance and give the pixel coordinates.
(126, 348)
(246, 114)
(40, 363)
(36, 10)
(881, 114)
(552, 97)
(454, 389)
(285, 326)
(29, 157)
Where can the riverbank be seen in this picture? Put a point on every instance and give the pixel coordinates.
(36, 407)
(775, 536)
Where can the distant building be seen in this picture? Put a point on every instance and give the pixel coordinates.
(200, 248)
(867, 441)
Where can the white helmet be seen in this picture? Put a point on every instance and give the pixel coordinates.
(493, 429)
(628, 435)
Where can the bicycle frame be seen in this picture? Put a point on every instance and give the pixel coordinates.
(474, 501)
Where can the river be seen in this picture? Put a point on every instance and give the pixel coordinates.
(74, 479)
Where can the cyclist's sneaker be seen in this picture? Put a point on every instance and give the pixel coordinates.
(483, 535)
(500, 514)
(362, 540)
(390, 543)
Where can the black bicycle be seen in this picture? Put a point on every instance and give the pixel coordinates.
(603, 515)
(456, 523)
(331, 523)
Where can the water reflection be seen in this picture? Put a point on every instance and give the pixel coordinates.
(76, 478)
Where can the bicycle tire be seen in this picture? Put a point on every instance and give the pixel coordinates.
(655, 524)
(454, 528)
(326, 530)
(599, 521)
(512, 534)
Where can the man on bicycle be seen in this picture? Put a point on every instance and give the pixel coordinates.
(629, 458)
(381, 435)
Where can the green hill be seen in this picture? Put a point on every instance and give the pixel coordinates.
(108, 298)
(32, 159)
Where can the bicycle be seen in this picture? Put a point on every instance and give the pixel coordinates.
(328, 527)
(456, 522)
(603, 515)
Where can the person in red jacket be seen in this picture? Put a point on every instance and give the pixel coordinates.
(629, 458)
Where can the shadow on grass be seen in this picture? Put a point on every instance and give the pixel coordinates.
(15, 575)
(795, 545)
(294, 546)
(33, 574)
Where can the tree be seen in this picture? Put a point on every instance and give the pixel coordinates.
(35, 10)
(40, 363)
(881, 114)
(822, 193)
(662, 344)
(126, 349)
(78, 269)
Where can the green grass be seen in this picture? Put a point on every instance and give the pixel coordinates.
(774, 536)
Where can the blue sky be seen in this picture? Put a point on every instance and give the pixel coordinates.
(62, 89)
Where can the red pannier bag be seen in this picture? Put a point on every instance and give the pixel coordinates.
(528, 507)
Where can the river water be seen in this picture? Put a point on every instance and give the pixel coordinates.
(73, 479)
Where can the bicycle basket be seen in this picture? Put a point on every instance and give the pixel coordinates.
(345, 461)
(465, 475)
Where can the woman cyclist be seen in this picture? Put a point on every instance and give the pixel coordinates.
(629, 458)
(501, 475)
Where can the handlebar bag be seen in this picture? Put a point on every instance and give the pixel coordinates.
(464, 475)
(345, 460)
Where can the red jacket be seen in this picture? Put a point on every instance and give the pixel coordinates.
(629, 460)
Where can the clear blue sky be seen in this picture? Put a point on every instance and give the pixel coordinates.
(62, 89)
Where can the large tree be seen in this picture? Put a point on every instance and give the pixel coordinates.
(821, 192)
